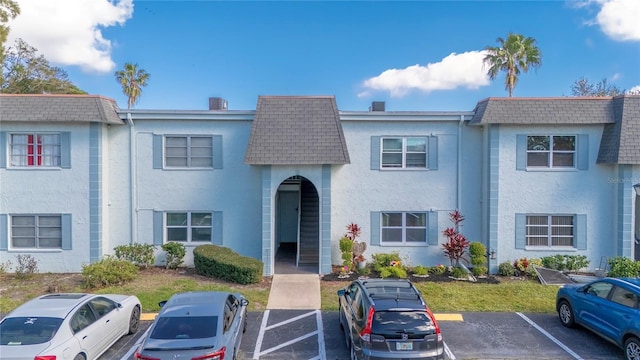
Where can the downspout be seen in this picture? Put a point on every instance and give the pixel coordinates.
(459, 169)
(133, 181)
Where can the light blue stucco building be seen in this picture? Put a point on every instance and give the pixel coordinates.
(532, 176)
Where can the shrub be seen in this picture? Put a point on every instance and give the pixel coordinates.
(5, 267)
(565, 262)
(394, 272)
(420, 270)
(383, 260)
(108, 272)
(138, 254)
(223, 263)
(621, 267)
(506, 269)
(477, 253)
(457, 244)
(458, 273)
(26, 267)
(175, 253)
(479, 270)
(438, 269)
(346, 247)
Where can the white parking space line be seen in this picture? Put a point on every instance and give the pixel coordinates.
(448, 352)
(263, 328)
(551, 337)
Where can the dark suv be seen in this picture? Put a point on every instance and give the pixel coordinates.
(388, 319)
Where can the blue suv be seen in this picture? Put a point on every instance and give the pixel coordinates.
(607, 307)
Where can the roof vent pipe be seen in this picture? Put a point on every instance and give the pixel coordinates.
(216, 103)
(377, 106)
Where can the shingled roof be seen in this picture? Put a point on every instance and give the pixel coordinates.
(566, 110)
(296, 130)
(620, 142)
(58, 108)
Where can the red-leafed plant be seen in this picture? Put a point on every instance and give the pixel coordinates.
(457, 243)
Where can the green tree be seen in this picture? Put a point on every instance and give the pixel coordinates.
(9, 9)
(132, 81)
(514, 55)
(26, 72)
(583, 87)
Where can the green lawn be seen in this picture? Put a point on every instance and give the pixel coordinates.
(508, 296)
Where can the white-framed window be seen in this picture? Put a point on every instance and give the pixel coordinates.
(403, 228)
(188, 151)
(36, 231)
(404, 152)
(34, 149)
(551, 151)
(188, 226)
(550, 231)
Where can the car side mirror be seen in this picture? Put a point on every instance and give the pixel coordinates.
(162, 303)
(342, 292)
(244, 302)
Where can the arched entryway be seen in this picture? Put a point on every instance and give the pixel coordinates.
(297, 227)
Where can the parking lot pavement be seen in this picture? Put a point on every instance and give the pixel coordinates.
(316, 335)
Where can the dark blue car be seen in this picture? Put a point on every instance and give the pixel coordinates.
(608, 307)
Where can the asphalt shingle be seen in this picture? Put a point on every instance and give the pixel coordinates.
(296, 130)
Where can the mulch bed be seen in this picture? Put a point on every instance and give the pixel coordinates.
(335, 276)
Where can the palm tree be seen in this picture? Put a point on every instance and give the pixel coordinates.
(132, 81)
(517, 53)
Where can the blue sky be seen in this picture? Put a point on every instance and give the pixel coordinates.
(418, 55)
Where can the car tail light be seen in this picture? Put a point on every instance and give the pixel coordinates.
(218, 355)
(433, 320)
(45, 357)
(365, 334)
(143, 357)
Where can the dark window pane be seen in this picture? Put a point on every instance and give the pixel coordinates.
(538, 159)
(391, 219)
(392, 145)
(177, 234)
(416, 144)
(28, 330)
(201, 234)
(416, 235)
(392, 160)
(179, 219)
(564, 143)
(191, 327)
(563, 159)
(538, 143)
(416, 160)
(416, 219)
(392, 235)
(201, 219)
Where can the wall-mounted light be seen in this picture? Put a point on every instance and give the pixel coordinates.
(636, 187)
(492, 254)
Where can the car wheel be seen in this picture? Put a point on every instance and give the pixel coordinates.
(632, 349)
(565, 312)
(134, 320)
(79, 357)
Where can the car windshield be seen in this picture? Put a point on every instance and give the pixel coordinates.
(186, 327)
(398, 322)
(28, 330)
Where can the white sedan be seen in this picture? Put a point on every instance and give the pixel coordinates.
(67, 326)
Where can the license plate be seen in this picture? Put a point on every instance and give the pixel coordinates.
(404, 345)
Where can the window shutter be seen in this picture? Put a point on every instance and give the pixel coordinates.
(375, 228)
(3, 150)
(520, 230)
(65, 150)
(583, 152)
(4, 232)
(521, 152)
(217, 151)
(157, 151)
(66, 232)
(433, 228)
(433, 153)
(158, 227)
(216, 232)
(375, 153)
(581, 231)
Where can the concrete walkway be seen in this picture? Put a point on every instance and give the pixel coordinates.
(295, 292)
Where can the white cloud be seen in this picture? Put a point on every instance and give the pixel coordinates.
(620, 19)
(634, 90)
(69, 32)
(454, 71)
